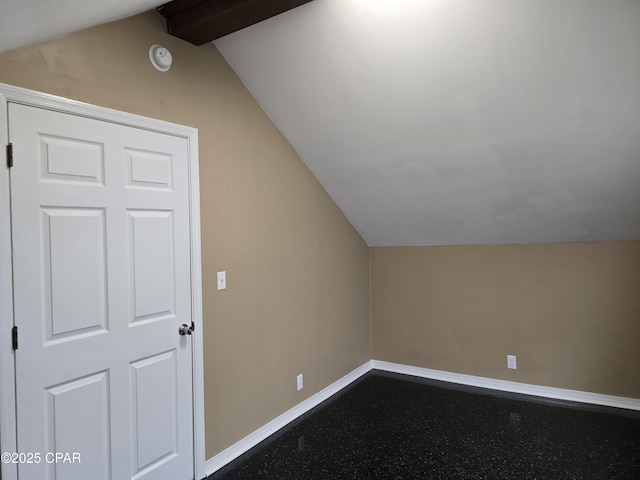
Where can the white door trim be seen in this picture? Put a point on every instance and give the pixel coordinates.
(11, 94)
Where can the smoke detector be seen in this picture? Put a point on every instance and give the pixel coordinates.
(160, 57)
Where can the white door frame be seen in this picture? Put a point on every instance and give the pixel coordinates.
(22, 96)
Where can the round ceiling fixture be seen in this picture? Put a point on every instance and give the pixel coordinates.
(160, 57)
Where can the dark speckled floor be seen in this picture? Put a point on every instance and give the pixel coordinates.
(388, 426)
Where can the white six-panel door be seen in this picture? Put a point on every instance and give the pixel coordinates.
(102, 282)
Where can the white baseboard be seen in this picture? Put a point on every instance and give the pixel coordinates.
(251, 440)
(508, 386)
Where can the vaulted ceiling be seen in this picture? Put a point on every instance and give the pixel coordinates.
(23, 22)
(441, 122)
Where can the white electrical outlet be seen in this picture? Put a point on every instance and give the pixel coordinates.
(222, 280)
(300, 381)
(511, 362)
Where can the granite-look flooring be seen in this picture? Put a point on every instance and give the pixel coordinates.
(389, 426)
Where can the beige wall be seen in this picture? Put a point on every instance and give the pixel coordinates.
(298, 293)
(570, 312)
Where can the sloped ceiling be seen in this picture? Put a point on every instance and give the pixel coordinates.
(23, 22)
(447, 122)
(439, 122)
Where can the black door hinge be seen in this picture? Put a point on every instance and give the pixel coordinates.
(10, 155)
(14, 337)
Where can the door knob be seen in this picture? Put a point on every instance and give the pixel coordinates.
(185, 329)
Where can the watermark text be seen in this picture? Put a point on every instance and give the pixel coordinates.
(40, 457)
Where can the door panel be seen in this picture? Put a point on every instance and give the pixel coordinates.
(155, 409)
(71, 160)
(74, 271)
(78, 412)
(149, 170)
(152, 265)
(100, 223)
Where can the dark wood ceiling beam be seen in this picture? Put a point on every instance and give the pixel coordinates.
(201, 21)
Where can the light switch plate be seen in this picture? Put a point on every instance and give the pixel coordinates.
(222, 280)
